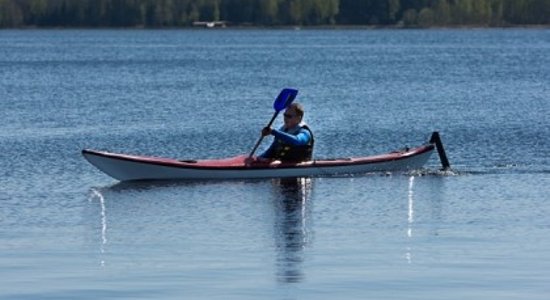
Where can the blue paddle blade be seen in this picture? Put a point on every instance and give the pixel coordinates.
(286, 96)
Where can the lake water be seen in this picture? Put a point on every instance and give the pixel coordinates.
(67, 231)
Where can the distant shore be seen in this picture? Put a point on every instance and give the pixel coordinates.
(285, 27)
(274, 14)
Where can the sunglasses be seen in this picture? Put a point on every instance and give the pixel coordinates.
(289, 116)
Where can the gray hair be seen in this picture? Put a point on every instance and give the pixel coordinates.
(298, 108)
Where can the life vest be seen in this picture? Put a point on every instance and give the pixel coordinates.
(293, 153)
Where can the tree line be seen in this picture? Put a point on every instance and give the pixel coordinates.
(182, 13)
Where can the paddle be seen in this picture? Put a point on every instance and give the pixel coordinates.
(286, 96)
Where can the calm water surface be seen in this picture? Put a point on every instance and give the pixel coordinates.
(70, 232)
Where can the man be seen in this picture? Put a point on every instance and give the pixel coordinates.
(293, 141)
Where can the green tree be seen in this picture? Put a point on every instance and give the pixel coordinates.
(426, 17)
(442, 13)
(11, 14)
(267, 12)
(410, 17)
(394, 7)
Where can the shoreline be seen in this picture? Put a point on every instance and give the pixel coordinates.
(285, 27)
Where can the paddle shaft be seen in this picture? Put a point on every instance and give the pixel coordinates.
(436, 139)
(262, 137)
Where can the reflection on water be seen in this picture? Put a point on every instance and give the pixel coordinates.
(410, 219)
(96, 194)
(291, 205)
(290, 200)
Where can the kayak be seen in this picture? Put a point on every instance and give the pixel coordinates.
(124, 167)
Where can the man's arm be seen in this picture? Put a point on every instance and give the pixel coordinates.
(302, 138)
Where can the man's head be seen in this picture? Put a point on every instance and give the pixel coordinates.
(293, 115)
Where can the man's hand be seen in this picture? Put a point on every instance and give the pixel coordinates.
(266, 131)
(255, 159)
(249, 160)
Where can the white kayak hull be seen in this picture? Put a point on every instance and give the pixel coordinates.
(131, 167)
